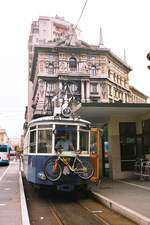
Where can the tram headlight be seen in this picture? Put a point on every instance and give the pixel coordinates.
(41, 175)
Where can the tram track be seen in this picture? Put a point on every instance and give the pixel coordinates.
(46, 208)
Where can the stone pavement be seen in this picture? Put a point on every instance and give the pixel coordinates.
(128, 197)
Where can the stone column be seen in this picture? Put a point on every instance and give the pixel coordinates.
(82, 91)
(87, 91)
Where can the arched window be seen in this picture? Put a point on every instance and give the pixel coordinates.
(51, 68)
(93, 70)
(73, 63)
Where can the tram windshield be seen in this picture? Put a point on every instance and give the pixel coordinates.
(66, 137)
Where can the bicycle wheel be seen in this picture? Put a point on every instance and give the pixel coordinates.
(84, 169)
(52, 170)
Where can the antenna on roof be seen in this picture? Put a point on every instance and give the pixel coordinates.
(125, 59)
(101, 44)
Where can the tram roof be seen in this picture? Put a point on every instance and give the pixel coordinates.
(102, 112)
(59, 119)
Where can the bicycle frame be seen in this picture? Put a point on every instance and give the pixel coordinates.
(65, 162)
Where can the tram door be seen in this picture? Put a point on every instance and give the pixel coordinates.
(95, 152)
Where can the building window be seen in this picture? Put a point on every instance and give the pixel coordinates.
(117, 79)
(114, 77)
(93, 88)
(51, 68)
(110, 90)
(73, 87)
(93, 70)
(73, 64)
(51, 87)
(109, 73)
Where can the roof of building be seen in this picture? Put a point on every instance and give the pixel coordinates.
(132, 88)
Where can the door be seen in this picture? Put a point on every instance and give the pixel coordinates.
(95, 144)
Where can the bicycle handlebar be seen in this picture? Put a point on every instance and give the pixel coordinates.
(60, 150)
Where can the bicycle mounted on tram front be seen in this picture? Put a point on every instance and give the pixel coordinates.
(54, 168)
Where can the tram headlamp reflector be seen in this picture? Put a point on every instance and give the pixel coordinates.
(41, 175)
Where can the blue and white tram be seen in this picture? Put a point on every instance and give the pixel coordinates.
(39, 146)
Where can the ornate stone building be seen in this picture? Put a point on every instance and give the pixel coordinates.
(3, 136)
(93, 73)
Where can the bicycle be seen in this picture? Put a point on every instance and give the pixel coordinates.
(53, 167)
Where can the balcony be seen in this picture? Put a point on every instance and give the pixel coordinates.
(63, 73)
(73, 73)
(46, 74)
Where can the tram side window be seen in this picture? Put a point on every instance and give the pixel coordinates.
(84, 141)
(32, 141)
(93, 144)
(44, 141)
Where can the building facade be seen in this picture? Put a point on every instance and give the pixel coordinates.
(93, 73)
(3, 137)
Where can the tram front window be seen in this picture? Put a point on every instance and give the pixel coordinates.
(44, 141)
(66, 138)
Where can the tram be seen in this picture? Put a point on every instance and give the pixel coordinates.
(62, 167)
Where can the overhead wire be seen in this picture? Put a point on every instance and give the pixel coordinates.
(79, 19)
(81, 14)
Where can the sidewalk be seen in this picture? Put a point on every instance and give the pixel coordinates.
(11, 199)
(128, 197)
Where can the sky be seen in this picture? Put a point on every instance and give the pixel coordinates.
(124, 23)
